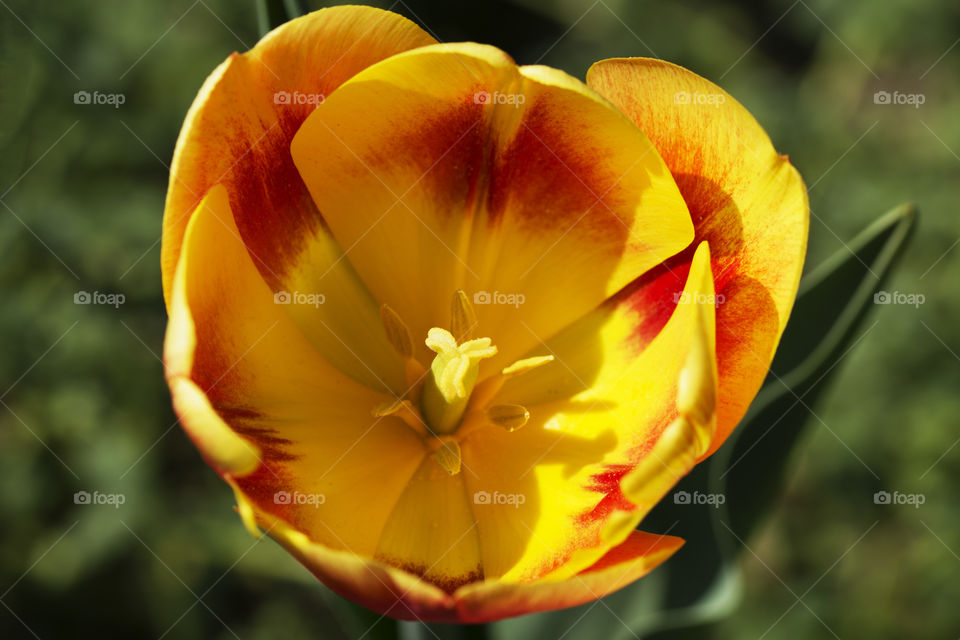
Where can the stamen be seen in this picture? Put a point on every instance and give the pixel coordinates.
(448, 456)
(485, 391)
(399, 336)
(397, 332)
(463, 318)
(509, 416)
(404, 410)
(522, 366)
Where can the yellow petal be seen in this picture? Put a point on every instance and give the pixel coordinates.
(372, 583)
(449, 167)
(600, 411)
(431, 532)
(632, 559)
(400, 594)
(746, 200)
(241, 373)
(223, 447)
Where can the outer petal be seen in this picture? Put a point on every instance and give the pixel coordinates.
(744, 198)
(279, 422)
(394, 592)
(616, 420)
(449, 167)
(629, 561)
(238, 132)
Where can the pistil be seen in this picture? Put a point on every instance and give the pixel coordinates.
(453, 373)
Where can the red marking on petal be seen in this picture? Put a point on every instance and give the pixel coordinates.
(608, 483)
(270, 478)
(450, 149)
(448, 583)
(550, 177)
(654, 295)
(272, 207)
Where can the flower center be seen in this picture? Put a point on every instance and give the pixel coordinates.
(441, 403)
(453, 374)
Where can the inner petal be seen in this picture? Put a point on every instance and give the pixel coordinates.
(449, 167)
(596, 413)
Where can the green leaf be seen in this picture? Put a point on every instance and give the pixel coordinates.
(750, 469)
(831, 305)
(273, 13)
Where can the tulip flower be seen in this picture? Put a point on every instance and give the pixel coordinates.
(450, 326)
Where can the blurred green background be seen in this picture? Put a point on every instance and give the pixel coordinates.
(83, 404)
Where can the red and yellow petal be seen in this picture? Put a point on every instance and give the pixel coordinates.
(745, 199)
(265, 409)
(615, 421)
(449, 167)
(374, 584)
(238, 132)
(639, 554)
(400, 594)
